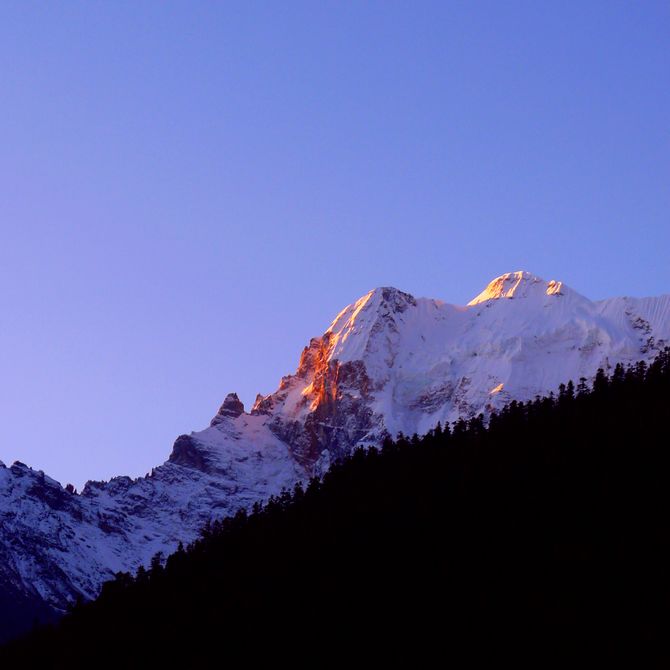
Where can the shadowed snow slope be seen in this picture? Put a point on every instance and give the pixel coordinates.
(389, 362)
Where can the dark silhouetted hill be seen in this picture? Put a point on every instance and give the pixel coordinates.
(541, 536)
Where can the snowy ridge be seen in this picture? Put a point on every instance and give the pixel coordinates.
(517, 285)
(389, 362)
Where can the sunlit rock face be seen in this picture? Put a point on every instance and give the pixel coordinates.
(389, 362)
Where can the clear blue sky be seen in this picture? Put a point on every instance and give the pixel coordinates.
(190, 190)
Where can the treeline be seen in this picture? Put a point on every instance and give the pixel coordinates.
(543, 534)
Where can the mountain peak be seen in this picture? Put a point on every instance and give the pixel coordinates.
(232, 408)
(383, 300)
(388, 364)
(517, 285)
(391, 298)
(385, 297)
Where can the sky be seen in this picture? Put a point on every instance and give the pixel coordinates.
(190, 191)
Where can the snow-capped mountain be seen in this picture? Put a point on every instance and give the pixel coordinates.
(388, 363)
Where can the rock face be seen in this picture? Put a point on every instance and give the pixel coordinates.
(388, 363)
(232, 407)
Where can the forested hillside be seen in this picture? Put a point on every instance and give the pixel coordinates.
(542, 532)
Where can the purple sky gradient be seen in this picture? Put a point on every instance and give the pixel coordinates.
(190, 191)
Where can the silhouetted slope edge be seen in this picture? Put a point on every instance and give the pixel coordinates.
(19, 612)
(544, 533)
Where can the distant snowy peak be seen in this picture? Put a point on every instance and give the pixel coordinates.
(518, 285)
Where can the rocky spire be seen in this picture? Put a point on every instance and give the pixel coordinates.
(232, 408)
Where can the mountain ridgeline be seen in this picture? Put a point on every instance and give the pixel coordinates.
(388, 363)
(543, 530)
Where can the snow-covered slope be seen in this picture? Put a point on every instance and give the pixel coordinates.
(389, 362)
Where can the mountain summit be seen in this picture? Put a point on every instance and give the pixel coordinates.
(389, 362)
(517, 285)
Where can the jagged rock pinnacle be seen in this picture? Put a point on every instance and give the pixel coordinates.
(232, 408)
